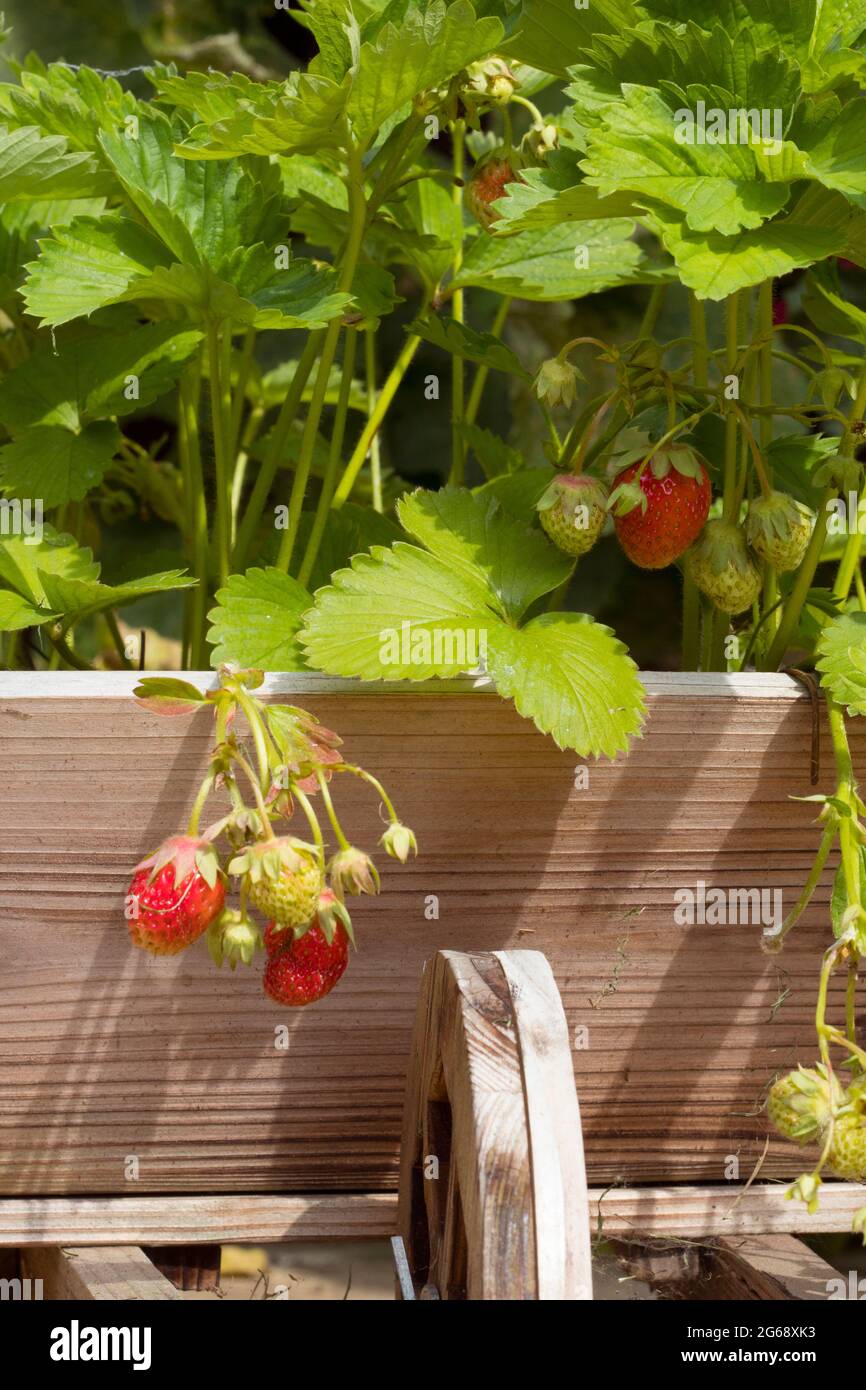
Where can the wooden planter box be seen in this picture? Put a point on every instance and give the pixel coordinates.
(107, 1054)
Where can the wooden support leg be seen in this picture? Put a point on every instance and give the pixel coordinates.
(493, 1198)
(770, 1267)
(95, 1272)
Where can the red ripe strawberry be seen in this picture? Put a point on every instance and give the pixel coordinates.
(659, 514)
(489, 180)
(308, 968)
(175, 894)
(330, 911)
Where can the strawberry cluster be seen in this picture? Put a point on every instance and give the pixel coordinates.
(660, 503)
(178, 893)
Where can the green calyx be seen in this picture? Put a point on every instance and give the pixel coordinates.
(232, 937)
(270, 859)
(801, 1104)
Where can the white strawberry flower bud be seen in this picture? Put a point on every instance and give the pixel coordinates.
(556, 382)
(399, 841)
(353, 871)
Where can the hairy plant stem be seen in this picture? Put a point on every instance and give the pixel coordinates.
(765, 426)
(221, 405)
(196, 507)
(279, 434)
(846, 792)
(479, 381)
(312, 820)
(329, 807)
(806, 573)
(202, 795)
(334, 455)
(348, 264)
(373, 782)
(802, 584)
(248, 438)
(375, 443)
(383, 402)
(721, 621)
(240, 391)
(653, 311)
(458, 371)
(851, 554)
(691, 639)
(828, 839)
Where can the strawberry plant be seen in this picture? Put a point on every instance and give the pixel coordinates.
(474, 161)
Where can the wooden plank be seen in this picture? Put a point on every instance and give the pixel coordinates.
(769, 1267)
(762, 1209)
(100, 1273)
(730, 1268)
(112, 1062)
(190, 1220)
(688, 1212)
(16, 685)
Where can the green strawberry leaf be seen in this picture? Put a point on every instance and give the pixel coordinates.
(717, 266)
(397, 614)
(561, 262)
(519, 493)
(493, 453)
(552, 32)
(16, 613)
(718, 188)
(76, 103)
(56, 464)
(168, 696)
(421, 51)
(36, 167)
(460, 341)
(87, 265)
(256, 621)
(79, 598)
(347, 531)
(838, 160)
(573, 678)
(474, 538)
(23, 564)
(555, 194)
(306, 112)
(839, 898)
(203, 211)
(842, 660)
(95, 377)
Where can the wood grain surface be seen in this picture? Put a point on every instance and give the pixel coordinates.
(107, 1054)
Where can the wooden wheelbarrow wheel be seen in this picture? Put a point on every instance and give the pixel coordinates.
(493, 1195)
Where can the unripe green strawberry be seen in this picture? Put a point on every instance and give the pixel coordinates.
(573, 511)
(847, 1156)
(283, 878)
(721, 566)
(799, 1106)
(778, 528)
